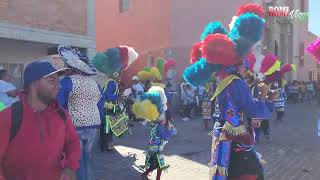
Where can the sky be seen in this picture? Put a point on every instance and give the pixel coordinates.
(314, 17)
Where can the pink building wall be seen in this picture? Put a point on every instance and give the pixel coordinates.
(145, 26)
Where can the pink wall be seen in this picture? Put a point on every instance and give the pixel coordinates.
(145, 27)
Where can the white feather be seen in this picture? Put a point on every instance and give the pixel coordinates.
(132, 54)
(234, 18)
(163, 97)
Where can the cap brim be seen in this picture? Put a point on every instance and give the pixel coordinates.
(59, 72)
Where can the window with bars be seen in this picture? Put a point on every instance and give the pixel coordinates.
(276, 48)
(15, 71)
(124, 5)
(310, 76)
(150, 61)
(301, 54)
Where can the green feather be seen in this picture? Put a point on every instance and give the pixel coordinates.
(147, 68)
(160, 65)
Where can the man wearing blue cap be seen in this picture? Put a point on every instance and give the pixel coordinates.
(35, 132)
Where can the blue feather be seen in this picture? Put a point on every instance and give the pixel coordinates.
(246, 31)
(199, 73)
(213, 28)
(154, 98)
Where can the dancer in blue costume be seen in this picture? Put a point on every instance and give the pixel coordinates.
(233, 154)
(113, 119)
(152, 107)
(109, 108)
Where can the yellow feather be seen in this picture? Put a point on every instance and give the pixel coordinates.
(276, 66)
(146, 110)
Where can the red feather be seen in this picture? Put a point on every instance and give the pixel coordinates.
(252, 60)
(170, 63)
(219, 49)
(268, 62)
(285, 68)
(195, 52)
(253, 8)
(124, 56)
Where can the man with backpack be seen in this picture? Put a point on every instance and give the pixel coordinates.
(35, 133)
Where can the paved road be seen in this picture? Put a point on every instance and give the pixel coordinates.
(292, 154)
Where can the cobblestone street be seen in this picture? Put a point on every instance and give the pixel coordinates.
(291, 155)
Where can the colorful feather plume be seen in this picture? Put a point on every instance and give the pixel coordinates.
(195, 52)
(251, 8)
(114, 59)
(246, 31)
(213, 28)
(314, 49)
(160, 65)
(124, 57)
(146, 110)
(132, 56)
(287, 68)
(276, 76)
(162, 104)
(108, 62)
(199, 73)
(144, 75)
(219, 49)
(152, 105)
(170, 63)
(155, 73)
(147, 68)
(275, 67)
(268, 62)
(273, 77)
(252, 60)
(149, 73)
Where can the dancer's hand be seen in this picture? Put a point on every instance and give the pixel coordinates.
(68, 174)
(264, 89)
(256, 123)
(273, 95)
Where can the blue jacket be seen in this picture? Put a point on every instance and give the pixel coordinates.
(240, 96)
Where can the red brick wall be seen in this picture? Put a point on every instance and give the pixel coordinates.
(57, 15)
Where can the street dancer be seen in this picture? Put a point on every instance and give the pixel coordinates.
(113, 117)
(153, 109)
(261, 66)
(233, 153)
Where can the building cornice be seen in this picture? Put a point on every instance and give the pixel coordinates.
(17, 32)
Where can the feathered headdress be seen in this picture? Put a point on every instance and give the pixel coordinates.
(115, 59)
(276, 76)
(264, 65)
(152, 105)
(222, 49)
(161, 65)
(195, 52)
(149, 73)
(170, 64)
(314, 49)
